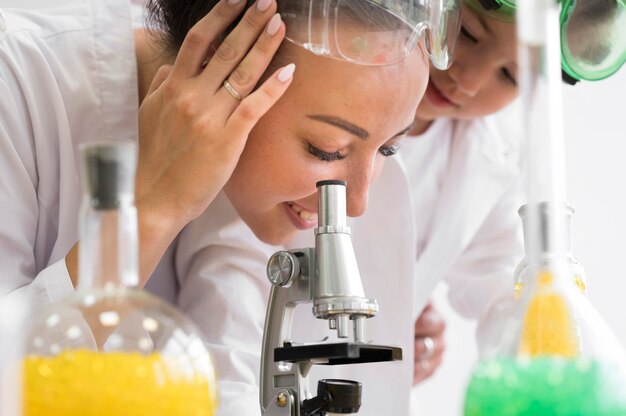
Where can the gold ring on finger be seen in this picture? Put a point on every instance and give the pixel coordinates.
(232, 91)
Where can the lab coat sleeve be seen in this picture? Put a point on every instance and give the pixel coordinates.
(481, 280)
(224, 290)
(23, 276)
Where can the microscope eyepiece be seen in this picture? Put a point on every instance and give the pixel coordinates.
(331, 182)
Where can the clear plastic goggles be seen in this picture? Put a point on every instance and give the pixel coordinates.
(373, 32)
(593, 34)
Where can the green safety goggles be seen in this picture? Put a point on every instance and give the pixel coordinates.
(593, 34)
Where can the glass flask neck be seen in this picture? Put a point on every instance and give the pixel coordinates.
(550, 221)
(108, 249)
(108, 255)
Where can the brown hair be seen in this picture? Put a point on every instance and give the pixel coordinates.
(171, 20)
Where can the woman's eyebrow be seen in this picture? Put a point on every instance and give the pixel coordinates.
(342, 124)
(405, 130)
(483, 23)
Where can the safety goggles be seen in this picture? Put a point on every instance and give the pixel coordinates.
(593, 34)
(373, 32)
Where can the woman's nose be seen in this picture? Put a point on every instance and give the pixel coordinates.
(358, 188)
(469, 76)
(357, 200)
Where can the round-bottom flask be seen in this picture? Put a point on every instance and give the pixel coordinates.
(116, 352)
(111, 349)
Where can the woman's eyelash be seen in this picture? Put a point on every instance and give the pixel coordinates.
(465, 32)
(325, 156)
(509, 77)
(387, 151)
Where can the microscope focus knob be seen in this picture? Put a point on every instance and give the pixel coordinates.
(282, 267)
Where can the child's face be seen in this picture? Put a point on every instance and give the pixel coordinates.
(483, 76)
(336, 121)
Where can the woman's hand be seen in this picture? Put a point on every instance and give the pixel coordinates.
(193, 129)
(429, 343)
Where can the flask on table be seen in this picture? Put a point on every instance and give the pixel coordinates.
(112, 349)
(556, 355)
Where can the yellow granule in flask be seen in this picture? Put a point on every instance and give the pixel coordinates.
(89, 383)
(519, 287)
(580, 283)
(548, 327)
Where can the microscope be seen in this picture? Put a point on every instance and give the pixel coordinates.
(328, 277)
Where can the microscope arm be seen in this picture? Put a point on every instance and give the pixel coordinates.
(290, 276)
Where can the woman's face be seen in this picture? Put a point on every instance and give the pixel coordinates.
(336, 121)
(483, 76)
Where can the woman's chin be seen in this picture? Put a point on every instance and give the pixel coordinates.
(277, 236)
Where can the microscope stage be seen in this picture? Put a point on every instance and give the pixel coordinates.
(337, 353)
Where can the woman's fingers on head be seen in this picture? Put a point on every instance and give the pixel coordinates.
(258, 36)
(195, 48)
(249, 111)
(246, 75)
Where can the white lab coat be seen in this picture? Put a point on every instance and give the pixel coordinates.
(70, 78)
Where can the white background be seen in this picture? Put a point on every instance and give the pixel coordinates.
(595, 127)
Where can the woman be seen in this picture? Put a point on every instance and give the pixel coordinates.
(188, 118)
(469, 118)
(82, 74)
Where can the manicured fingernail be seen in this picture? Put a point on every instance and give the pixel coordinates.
(263, 5)
(273, 25)
(286, 73)
(233, 2)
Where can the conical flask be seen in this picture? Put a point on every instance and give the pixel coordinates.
(576, 270)
(556, 355)
(111, 349)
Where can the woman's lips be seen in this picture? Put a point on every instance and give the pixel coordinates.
(436, 97)
(301, 218)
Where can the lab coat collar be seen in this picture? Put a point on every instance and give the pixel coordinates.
(483, 164)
